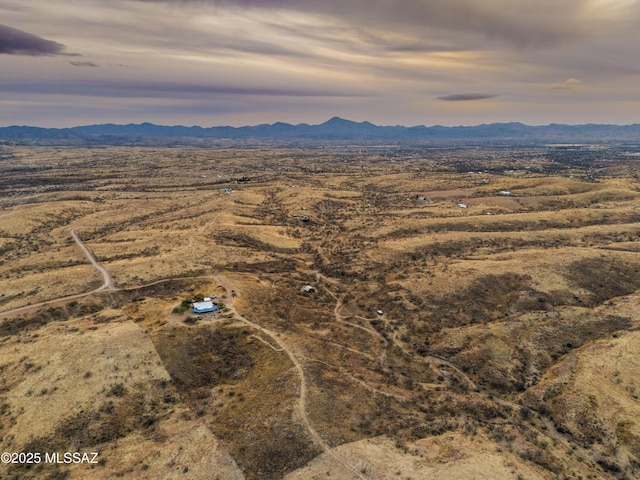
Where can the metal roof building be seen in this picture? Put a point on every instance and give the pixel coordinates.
(204, 307)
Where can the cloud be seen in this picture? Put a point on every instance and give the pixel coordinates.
(83, 64)
(465, 97)
(419, 47)
(17, 42)
(567, 84)
(527, 23)
(121, 89)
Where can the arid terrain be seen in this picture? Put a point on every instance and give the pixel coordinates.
(474, 312)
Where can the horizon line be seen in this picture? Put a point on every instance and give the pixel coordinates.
(514, 122)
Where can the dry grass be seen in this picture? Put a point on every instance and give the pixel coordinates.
(506, 347)
(244, 390)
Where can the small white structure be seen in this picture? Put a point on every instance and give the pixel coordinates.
(462, 205)
(504, 193)
(380, 312)
(309, 289)
(204, 307)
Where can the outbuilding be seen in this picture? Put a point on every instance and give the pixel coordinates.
(204, 307)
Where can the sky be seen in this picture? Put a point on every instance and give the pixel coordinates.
(246, 62)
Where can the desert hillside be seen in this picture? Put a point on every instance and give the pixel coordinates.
(472, 312)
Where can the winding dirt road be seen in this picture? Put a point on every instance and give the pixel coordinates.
(107, 284)
(390, 342)
(302, 398)
(107, 280)
(341, 319)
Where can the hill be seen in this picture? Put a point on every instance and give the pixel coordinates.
(499, 340)
(335, 129)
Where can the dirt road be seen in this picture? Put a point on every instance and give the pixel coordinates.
(107, 280)
(107, 284)
(302, 399)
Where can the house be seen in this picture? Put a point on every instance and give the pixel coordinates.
(309, 289)
(380, 312)
(462, 205)
(204, 306)
(504, 193)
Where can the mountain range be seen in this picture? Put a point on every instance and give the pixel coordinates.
(335, 129)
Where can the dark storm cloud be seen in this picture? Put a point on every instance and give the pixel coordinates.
(465, 97)
(523, 24)
(17, 42)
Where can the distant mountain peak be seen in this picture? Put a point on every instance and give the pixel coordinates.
(338, 121)
(336, 128)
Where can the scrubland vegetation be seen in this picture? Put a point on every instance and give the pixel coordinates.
(500, 338)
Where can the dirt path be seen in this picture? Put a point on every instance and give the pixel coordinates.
(302, 399)
(340, 319)
(106, 285)
(46, 303)
(107, 280)
(388, 343)
(200, 231)
(360, 382)
(443, 361)
(262, 340)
